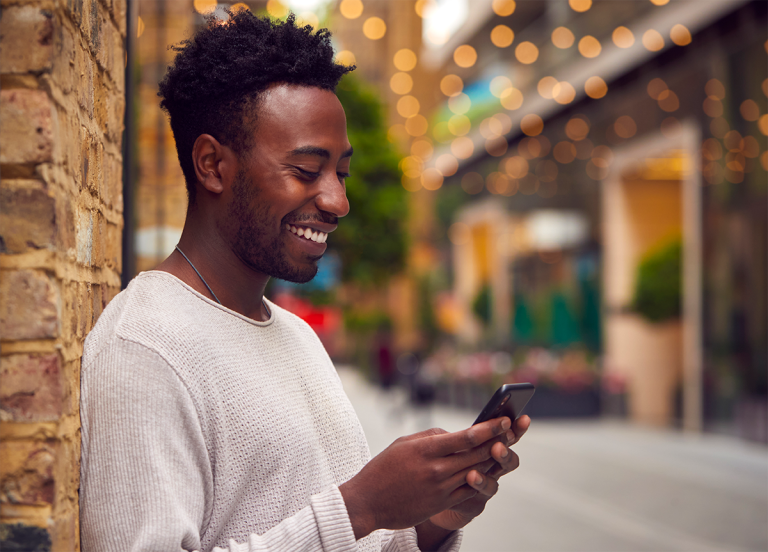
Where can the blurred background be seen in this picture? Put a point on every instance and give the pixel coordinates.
(568, 192)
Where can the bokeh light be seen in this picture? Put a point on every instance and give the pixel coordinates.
(459, 125)
(462, 147)
(563, 38)
(351, 9)
(450, 85)
(431, 179)
(499, 84)
(503, 7)
(660, 2)
(205, 6)
(715, 88)
(545, 87)
(749, 110)
(496, 147)
(564, 152)
(580, 5)
(625, 127)
(656, 87)
(411, 166)
(623, 37)
(277, 9)
(400, 83)
(719, 127)
(563, 93)
(762, 124)
(653, 40)
(516, 166)
(526, 52)
(421, 6)
(584, 149)
(712, 106)
(240, 6)
(472, 183)
(459, 104)
(404, 59)
(532, 125)
(374, 28)
(308, 18)
(668, 101)
(447, 164)
(511, 99)
(465, 56)
(589, 47)
(416, 125)
(595, 87)
(408, 106)
(680, 35)
(577, 129)
(345, 57)
(442, 133)
(502, 36)
(765, 87)
(422, 148)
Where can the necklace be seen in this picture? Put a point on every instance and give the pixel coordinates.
(266, 308)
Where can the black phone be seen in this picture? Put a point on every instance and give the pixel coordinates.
(508, 400)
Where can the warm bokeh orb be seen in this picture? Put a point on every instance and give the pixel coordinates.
(526, 52)
(563, 93)
(680, 35)
(563, 38)
(595, 88)
(503, 7)
(545, 87)
(653, 40)
(465, 56)
(656, 87)
(351, 9)
(749, 110)
(404, 59)
(564, 152)
(623, 37)
(625, 127)
(451, 85)
(532, 125)
(589, 47)
(408, 106)
(502, 36)
(472, 183)
(277, 9)
(459, 104)
(511, 99)
(205, 6)
(499, 84)
(447, 164)
(374, 28)
(400, 83)
(462, 147)
(580, 5)
(577, 129)
(431, 179)
(416, 125)
(715, 88)
(345, 57)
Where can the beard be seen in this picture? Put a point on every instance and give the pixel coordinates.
(251, 244)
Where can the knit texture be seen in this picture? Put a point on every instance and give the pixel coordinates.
(202, 428)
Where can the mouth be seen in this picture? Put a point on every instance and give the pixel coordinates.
(308, 233)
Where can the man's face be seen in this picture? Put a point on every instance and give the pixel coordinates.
(290, 190)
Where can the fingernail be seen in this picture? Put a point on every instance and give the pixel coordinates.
(506, 424)
(505, 453)
(478, 480)
(511, 437)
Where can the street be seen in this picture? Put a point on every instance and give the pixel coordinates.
(599, 485)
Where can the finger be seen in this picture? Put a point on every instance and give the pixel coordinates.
(486, 486)
(422, 434)
(467, 459)
(470, 438)
(520, 426)
(504, 464)
(459, 495)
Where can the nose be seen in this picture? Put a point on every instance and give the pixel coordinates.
(332, 196)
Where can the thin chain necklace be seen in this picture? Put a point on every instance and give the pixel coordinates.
(263, 302)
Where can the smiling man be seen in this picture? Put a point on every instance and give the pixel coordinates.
(210, 416)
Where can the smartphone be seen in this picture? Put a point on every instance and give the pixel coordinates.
(508, 400)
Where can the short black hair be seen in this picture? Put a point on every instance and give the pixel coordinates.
(218, 76)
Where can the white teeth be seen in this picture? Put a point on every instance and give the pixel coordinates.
(308, 233)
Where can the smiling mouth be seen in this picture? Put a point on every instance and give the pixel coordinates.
(307, 233)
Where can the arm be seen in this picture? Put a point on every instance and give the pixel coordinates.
(146, 478)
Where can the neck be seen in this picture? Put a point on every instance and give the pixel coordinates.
(236, 285)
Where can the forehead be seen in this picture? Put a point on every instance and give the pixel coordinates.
(291, 116)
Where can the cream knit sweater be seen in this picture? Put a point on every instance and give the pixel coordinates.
(202, 428)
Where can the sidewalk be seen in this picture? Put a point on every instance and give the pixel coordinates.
(600, 486)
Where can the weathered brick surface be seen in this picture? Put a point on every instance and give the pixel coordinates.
(27, 216)
(29, 305)
(61, 123)
(26, 133)
(30, 387)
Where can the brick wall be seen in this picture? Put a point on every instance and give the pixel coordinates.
(61, 120)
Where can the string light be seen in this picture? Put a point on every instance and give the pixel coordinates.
(462, 147)
(577, 129)
(589, 47)
(276, 9)
(408, 106)
(563, 38)
(595, 88)
(680, 35)
(451, 85)
(545, 86)
(465, 56)
(532, 125)
(503, 8)
(580, 5)
(345, 57)
(405, 59)
(502, 36)
(653, 40)
(351, 9)
(374, 28)
(204, 6)
(400, 83)
(526, 52)
(623, 37)
(511, 99)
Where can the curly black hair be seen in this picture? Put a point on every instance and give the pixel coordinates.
(218, 76)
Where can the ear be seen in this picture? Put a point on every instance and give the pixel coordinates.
(213, 163)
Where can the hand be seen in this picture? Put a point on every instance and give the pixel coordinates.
(418, 476)
(484, 478)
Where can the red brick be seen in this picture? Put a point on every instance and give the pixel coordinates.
(29, 305)
(26, 133)
(30, 387)
(27, 216)
(26, 39)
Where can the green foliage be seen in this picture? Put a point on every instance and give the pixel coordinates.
(658, 284)
(371, 240)
(481, 306)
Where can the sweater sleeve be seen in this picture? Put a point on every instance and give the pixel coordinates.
(146, 478)
(406, 540)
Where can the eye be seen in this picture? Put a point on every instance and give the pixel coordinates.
(342, 176)
(309, 175)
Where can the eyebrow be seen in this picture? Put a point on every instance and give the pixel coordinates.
(319, 152)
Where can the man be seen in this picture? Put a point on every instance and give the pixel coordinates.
(210, 416)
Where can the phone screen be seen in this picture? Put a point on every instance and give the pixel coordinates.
(508, 400)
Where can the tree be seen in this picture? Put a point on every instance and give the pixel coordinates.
(371, 240)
